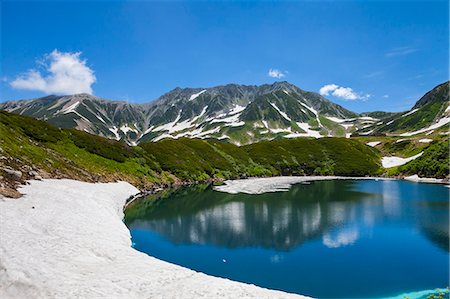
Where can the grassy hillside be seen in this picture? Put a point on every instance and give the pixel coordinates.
(432, 163)
(28, 144)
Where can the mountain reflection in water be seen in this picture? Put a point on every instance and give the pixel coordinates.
(327, 239)
(333, 211)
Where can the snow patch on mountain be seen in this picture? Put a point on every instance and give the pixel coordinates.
(307, 128)
(410, 112)
(125, 129)
(314, 111)
(440, 123)
(196, 95)
(393, 161)
(281, 112)
(71, 108)
(373, 143)
(115, 131)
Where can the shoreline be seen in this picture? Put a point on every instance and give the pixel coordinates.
(297, 179)
(73, 231)
(74, 244)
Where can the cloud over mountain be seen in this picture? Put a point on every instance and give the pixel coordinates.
(63, 73)
(345, 93)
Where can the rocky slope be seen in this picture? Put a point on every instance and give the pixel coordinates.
(240, 114)
(430, 113)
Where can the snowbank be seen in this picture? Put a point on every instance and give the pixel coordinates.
(373, 143)
(416, 178)
(276, 184)
(66, 239)
(393, 161)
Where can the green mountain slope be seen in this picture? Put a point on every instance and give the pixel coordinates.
(430, 110)
(29, 145)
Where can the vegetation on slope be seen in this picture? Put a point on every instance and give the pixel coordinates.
(29, 145)
(432, 163)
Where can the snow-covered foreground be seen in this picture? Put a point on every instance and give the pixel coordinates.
(393, 161)
(66, 239)
(276, 184)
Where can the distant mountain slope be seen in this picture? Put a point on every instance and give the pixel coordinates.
(431, 112)
(30, 147)
(240, 114)
(113, 119)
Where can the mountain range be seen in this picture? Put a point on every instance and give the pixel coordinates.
(240, 114)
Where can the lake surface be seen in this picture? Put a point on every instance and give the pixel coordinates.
(327, 239)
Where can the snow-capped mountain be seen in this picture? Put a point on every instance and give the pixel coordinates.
(430, 113)
(240, 114)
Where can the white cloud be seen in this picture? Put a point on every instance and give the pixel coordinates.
(386, 96)
(345, 237)
(326, 89)
(274, 73)
(345, 93)
(400, 51)
(65, 73)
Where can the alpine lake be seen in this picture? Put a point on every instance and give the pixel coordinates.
(325, 239)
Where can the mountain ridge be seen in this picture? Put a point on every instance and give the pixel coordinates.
(240, 114)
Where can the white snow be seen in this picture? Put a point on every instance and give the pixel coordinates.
(390, 122)
(274, 184)
(229, 119)
(429, 133)
(148, 130)
(312, 110)
(447, 109)
(74, 244)
(162, 136)
(281, 112)
(425, 140)
(100, 118)
(176, 126)
(335, 119)
(236, 124)
(367, 133)
(125, 128)
(368, 118)
(416, 178)
(169, 126)
(281, 130)
(265, 123)
(400, 140)
(195, 95)
(223, 137)
(393, 161)
(57, 104)
(373, 143)
(236, 109)
(71, 108)
(442, 122)
(115, 131)
(305, 127)
(410, 112)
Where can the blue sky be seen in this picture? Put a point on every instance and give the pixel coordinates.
(364, 55)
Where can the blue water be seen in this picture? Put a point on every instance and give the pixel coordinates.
(328, 239)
